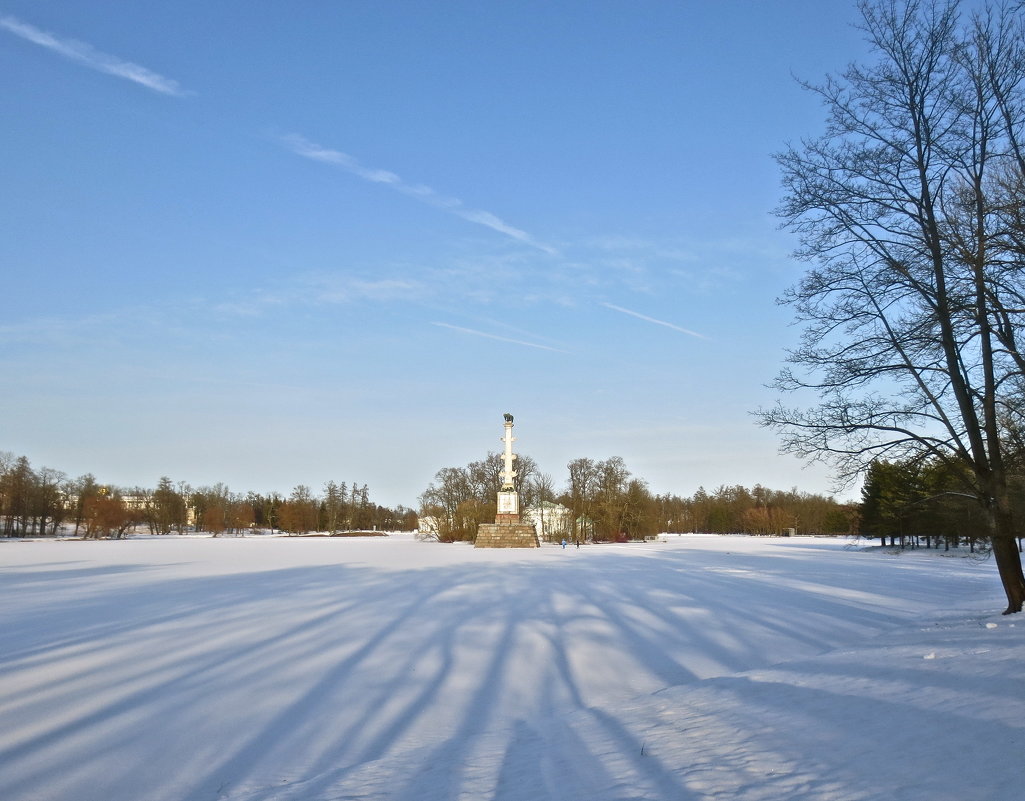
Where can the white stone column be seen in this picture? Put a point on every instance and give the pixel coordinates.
(508, 498)
(508, 474)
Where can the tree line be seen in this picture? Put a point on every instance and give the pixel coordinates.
(910, 501)
(47, 502)
(602, 501)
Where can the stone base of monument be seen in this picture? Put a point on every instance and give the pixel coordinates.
(506, 535)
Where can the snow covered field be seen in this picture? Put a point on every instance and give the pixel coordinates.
(277, 669)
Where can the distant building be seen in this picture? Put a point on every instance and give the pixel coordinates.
(427, 527)
(552, 521)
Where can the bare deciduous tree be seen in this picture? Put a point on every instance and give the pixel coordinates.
(911, 308)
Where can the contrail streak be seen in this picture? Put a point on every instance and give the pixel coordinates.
(647, 319)
(500, 339)
(90, 57)
(311, 150)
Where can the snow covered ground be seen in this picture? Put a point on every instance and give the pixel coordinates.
(277, 669)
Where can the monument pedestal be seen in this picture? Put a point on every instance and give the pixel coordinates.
(506, 535)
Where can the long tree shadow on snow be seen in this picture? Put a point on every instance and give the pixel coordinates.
(417, 684)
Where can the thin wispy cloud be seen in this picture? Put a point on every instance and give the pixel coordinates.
(475, 333)
(92, 58)
(346, 289)
(425, 194)
(648, 319)
(318, 290)
(59, 332)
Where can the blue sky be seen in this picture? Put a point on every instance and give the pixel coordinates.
(280, 243)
